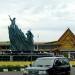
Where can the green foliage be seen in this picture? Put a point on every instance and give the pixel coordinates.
(66, 55)
(10, 67)
(1, 68)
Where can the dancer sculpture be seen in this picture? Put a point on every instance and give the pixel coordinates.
(18, 40)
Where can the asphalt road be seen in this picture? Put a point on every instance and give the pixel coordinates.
(21, 73)
(11, 73)
(73, 71)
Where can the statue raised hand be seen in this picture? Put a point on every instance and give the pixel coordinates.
(12, 20)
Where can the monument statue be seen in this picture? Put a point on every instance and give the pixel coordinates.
(30, 39)
(19, 41)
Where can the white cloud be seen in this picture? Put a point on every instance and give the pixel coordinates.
(48, 17)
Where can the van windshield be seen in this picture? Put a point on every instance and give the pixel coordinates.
(43, 62)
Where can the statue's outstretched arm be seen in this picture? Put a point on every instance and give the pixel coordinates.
(10, 18)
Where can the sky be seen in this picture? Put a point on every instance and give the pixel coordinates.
(47, 19)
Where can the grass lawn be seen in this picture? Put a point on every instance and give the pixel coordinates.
(15, 63)
(72, 62)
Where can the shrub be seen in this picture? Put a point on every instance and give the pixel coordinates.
(17, 67)
(10, 68)
(1, 69)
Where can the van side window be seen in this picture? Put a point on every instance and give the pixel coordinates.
(62, 61)
(57, 62)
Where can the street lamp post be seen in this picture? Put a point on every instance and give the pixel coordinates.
(37, 43)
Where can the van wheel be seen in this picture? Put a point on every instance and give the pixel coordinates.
(67, 73)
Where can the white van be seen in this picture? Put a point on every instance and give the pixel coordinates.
(49, 66)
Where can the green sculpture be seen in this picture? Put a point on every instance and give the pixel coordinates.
(18, 40)
(30, 39)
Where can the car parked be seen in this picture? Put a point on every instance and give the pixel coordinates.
(49, 66)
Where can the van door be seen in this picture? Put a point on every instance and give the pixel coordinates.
(57, 66)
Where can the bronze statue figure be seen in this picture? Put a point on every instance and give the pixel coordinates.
(18, 40)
